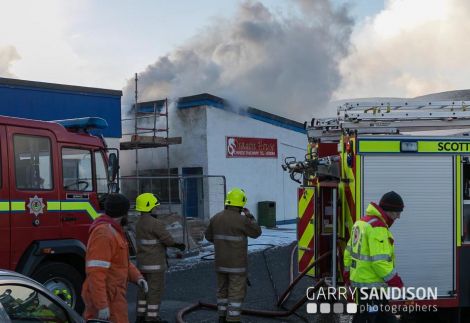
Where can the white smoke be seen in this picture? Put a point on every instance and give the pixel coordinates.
(8, 54)
(285, 64)
(412, 47)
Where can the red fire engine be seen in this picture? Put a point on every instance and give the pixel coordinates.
(53, 177)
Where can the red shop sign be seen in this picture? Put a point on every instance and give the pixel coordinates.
(239, 147)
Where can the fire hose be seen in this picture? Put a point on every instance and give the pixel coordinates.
(264, 313)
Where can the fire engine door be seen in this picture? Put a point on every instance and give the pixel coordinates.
(4, 204)
(306, 228)
(33, 176)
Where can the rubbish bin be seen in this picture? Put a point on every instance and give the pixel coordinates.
(267, 214)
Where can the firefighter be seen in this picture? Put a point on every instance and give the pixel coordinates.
(108, 267)
(152, 239)
(369, 258)
(228, 230)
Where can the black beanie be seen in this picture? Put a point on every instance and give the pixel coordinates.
(116, 205)
(391, 201)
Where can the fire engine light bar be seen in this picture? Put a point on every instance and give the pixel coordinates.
(409, 146)
(84, 123)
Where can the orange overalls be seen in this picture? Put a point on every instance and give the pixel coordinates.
(108, 271)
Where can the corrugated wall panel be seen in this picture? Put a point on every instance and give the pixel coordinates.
(424, 235)
(47, 104)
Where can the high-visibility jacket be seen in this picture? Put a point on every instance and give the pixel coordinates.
(108, 271)
(152, 239)
(228, 230)
(369, 258)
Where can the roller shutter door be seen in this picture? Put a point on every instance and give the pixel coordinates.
(424, 235)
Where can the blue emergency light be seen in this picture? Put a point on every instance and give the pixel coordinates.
(83, 124)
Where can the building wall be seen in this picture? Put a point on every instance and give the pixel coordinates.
(203, 130)
(261, 178)
(41, 101)
(190, 124)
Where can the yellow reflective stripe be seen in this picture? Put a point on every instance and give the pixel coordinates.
(53, 206)
(358, 188)
(308, 234)
(4, 206)
(458, 199)
(379, 146)
(443, 146)
(424, 146)
(304, 201)
(18, 206)
(80, 206)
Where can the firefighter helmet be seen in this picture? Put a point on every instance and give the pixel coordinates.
(146, 202)
(236, 197)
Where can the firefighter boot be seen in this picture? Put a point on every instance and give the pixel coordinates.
(222, 319)
(140, 319)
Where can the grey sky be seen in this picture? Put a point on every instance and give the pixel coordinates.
(101, 43)
(394, 48)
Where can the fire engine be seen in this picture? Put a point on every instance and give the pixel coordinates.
(417, 149)
(53, 176)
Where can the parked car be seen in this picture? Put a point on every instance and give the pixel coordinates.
(22, 300)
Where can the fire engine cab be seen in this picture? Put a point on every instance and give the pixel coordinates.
(419, 150)
(52, 178)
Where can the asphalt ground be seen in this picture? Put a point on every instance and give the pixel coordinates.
(186, 286)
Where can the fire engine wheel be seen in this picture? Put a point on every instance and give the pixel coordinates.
(62, 280)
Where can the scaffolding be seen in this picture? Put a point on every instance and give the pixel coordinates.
(149, 137)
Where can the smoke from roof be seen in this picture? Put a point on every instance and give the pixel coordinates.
(410, 48)
(285, 64)
(8, 55)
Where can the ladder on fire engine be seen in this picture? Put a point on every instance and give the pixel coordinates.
(395, 117)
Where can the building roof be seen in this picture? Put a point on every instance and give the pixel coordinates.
(8, 82)
(206, 99)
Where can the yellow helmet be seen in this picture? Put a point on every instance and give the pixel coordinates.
(236, 197)
(146, 202)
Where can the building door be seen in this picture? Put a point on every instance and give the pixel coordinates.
(192, 192)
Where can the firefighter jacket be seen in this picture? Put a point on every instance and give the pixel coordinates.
(108, 270)
(152, 239)
(228, 230)
(369, 258)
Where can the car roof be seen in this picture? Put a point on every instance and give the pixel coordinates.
(15, 275)
(8, 274)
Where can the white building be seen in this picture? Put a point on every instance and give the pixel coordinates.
(247, 146)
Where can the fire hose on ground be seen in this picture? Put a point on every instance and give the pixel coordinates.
(281, 300)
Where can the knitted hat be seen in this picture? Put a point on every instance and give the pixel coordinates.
(391, 201)
(116, 205)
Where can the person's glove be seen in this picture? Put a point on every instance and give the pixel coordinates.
(180, 246)
(142, 283)
(103, 314)
(248, 214)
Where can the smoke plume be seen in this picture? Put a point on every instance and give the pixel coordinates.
(410, 48)
(285, 64)
(8, 55)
